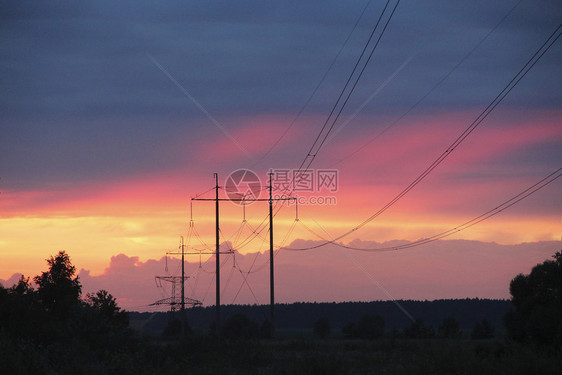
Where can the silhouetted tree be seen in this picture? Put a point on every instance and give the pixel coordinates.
(449, 328)
(108, 312)
(482, 330)
(23, 287)
(537, 299)
(173, 328)
(419, 330)
(370, 326)
(239, 326)
(350, 330)
(20, 313)
(322, 327)
(51, 330)
(266, 329)
(58, 289)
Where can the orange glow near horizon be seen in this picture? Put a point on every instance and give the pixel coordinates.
(92, 241)
(144, 215)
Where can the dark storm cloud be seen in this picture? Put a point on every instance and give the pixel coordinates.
(91, 59)
(77, 79)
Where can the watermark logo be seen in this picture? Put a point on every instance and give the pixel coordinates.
(241, 185)
(305, 180)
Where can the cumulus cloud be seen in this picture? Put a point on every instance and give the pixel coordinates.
(443, 269)
(12, 280)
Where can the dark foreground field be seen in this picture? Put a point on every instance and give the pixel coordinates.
(305, 355)
(52, 330)
(381, 356)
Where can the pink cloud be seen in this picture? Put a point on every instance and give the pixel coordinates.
(379, 172)
(255, 136)
(12, 280)
(442, 269)
(482, 170)
(132, 194)
(410, 148)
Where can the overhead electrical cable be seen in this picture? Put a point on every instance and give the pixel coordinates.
(315, 90)
(354, 85)
(322, 135)
(485, 216)
(430, 91)
(313, 151)
(246, 274)
(479, 119)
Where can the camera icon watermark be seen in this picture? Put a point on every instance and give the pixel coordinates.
(243, 186)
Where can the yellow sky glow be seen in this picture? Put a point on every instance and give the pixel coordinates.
(92, 240)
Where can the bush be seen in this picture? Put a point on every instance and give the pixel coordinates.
(266, 330)
(419, 330)
(239, 326)
(370, 326)
(449, 328)
(482, 330)
(322, 328)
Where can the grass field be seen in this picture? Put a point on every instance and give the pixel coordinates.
(290, 353)
(340, 356)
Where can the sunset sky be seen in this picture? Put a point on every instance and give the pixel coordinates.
(113, 115)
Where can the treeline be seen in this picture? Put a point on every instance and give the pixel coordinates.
(50, 327)
(533, 315)
(304, 315)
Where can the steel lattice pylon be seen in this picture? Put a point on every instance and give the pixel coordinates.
(174, 301)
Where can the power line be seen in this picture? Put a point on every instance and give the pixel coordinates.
(479, 119)
(313, 151)
(315, 90)
(373, 279)
(355, 84)
(431, 90)
(485, 216)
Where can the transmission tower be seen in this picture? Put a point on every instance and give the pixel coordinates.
(174, 300)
